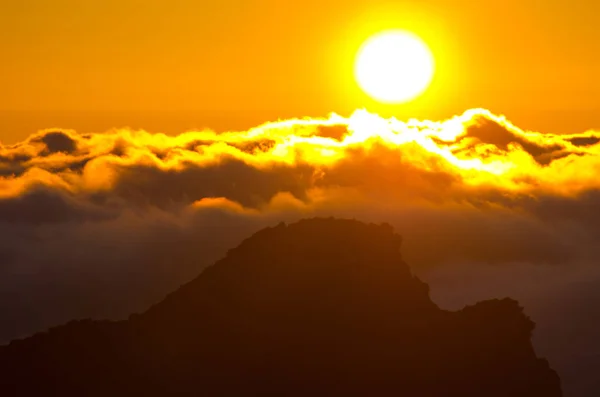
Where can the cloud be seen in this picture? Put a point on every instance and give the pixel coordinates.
(57, 141)
(476, 163)
(105, 224)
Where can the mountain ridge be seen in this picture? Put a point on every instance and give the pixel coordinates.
(321, 306)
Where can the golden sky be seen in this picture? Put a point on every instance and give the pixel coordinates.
(231, 64)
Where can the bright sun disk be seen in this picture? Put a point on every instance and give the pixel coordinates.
(394, 66)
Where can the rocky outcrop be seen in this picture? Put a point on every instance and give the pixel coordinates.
(319, 307)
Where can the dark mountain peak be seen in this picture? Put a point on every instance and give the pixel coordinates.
(316, 307)
(318, 239)
(310, 262)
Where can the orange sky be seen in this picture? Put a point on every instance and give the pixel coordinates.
(230, 64)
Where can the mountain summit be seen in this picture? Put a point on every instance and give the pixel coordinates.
(319, 307)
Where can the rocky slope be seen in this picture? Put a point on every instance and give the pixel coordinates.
(318, 307)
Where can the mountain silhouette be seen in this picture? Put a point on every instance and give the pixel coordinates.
(319, 307)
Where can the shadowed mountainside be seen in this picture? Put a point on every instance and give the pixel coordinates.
(317, 307)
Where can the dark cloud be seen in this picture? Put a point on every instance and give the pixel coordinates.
(231, 179)
(251, 147)
(57, 141)
(40, 205)
(17, 158)
(491, 132)
(585, 141)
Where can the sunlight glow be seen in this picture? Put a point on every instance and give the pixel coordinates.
(394, 66)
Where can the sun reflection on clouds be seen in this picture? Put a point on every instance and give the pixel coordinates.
(476, 149)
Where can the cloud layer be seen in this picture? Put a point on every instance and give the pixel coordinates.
(105, 224)
(473, 172)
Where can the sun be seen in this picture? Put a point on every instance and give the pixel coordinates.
(394, 66)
